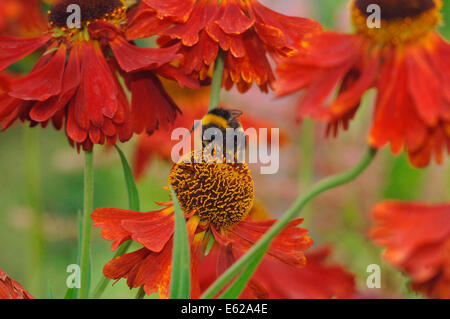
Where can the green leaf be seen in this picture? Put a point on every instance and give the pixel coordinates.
(133, 195)
(70, 294)
(209, 244)
(49, 292)
(134, 205)
(180, 285)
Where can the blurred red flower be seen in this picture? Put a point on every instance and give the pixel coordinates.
(75, 82)
(417, 241)
(405, 60)
(11, 289)
(21, 17)
(245, 30)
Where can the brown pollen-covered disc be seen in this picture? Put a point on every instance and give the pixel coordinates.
(91, 10)
(397, 9)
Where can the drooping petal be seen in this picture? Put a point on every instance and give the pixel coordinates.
(13, 49)
(44, 81)
(99, 86)
(154, 233)
(70, 83)
(395, 121)
(132, 58)
(203, 53)
(279, 31)
(424, 86)
(354, 86)
(152, 107)
(119, 225)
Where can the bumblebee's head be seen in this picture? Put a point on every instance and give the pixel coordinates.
(223, 119)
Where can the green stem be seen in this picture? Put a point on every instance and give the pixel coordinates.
(306, 167)
(33, 190)
(86, 226)
(103, 283)
(263, 243)
(141, 293)
(217, 81)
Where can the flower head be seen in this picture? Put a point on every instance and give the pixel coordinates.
(223, 200)
(417, 241)
(75, 83)
(245, 30)
(216, 199)
(11, 289)
(404, 59)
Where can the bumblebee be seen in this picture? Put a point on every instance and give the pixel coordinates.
(225, 121)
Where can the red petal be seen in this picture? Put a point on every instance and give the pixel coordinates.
(99, 86)
(189, 32)
(203, 53)
(132, 58)
(121, 266)
(71, 81)
(170, 72)
(352, 89)
(11, 289)
(154, 273)
(417, 240)
(13, 49)
(151, 105)
(144, 23)
(278, 30)
(232, 19)
(395, 120)
(179, 9)
(397, 220)
(120, 225)
(424, 87)
(233, 43)
(286, 246)
(43, 82)
(153, 234)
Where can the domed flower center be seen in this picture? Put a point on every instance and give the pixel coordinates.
(63, 11)
(220, 193)
(401, 21)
